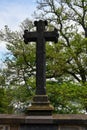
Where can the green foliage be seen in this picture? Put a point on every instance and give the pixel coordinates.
(4, 102)
(66, 61)
(67, 97)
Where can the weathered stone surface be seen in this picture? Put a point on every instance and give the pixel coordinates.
(39, 127)
(59, 119)
(40, 36)
(55, 122)
(14, 126)
(40, 106)
(4, 127)
(71, 128)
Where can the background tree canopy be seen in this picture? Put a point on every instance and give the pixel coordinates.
(66, 61)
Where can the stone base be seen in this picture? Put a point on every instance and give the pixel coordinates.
(40, 106)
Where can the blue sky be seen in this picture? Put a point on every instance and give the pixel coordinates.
(12, 13)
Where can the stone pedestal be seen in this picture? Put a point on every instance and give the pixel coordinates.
(40, 106)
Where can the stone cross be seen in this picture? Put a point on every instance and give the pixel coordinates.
(40, 36)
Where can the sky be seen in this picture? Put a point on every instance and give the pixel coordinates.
(12, 13)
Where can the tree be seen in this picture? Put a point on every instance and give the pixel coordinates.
(62, 11)
(5, 106)
(67, 97)
(65, 62)
(20, 66)
(69, 16)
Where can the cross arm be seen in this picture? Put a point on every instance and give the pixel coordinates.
(29, 36)
(51, 36)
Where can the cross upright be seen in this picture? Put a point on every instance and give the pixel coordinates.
(40, 36)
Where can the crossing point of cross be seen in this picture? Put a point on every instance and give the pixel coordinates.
(40, 36)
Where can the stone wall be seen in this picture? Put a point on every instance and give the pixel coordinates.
(4, 127)
(72, 128)
(42, 127)
(55, 122)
